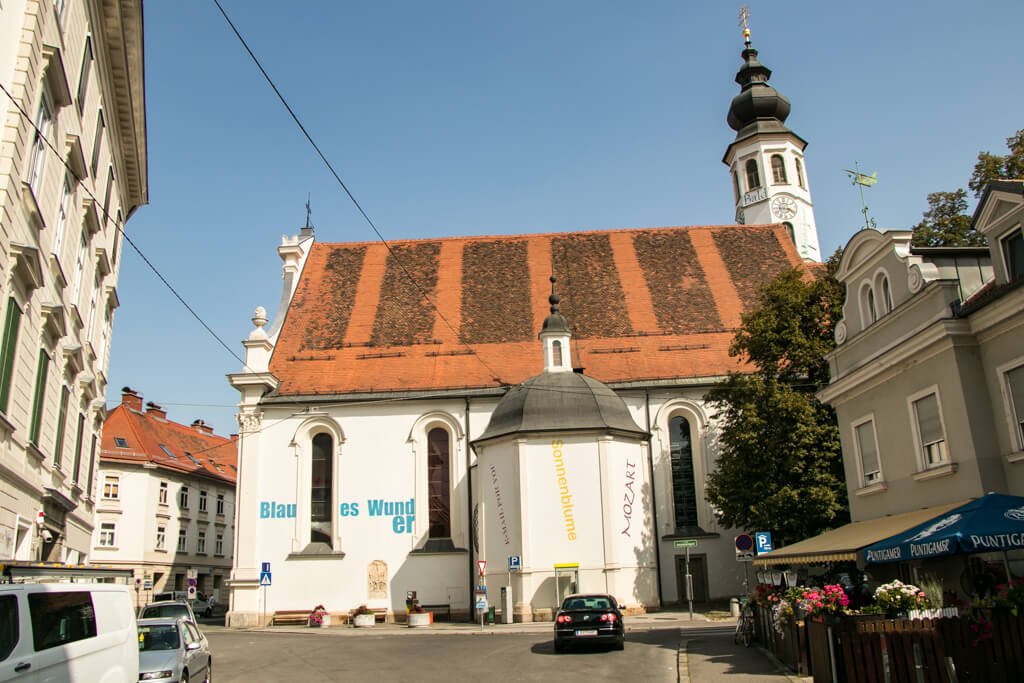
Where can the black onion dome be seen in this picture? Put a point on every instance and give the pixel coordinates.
(560, 402)
(555, 322)
(757, 100)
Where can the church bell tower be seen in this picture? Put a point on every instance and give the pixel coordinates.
(766, 159)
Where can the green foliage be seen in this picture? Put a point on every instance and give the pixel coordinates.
(946, 223)
(780, 467)
(994, 167)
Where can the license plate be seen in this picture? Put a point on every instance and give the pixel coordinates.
(587, 632)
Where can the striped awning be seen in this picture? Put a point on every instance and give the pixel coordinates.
(846, 542)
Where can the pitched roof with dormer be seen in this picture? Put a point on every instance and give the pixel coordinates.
(643, 305)
(133, 436)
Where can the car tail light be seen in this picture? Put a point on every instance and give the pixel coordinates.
(564, 619)
(609, 617)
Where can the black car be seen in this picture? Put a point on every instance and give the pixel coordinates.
(589, 618)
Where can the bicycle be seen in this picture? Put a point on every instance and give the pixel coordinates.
(745, 625)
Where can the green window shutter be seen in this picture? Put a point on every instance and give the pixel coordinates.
(58, 447)
(78, 448)
(7, 348)
(39, 398)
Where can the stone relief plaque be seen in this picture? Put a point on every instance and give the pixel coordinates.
(377, 580)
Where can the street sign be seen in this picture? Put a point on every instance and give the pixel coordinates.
(513, 563)
(266, 568)
(264, 578)
(481, 606)
(481, 565)
(687, 543)
(147, 584)
(744, 545)
(764, 542)
(192, 592)
(191, 582)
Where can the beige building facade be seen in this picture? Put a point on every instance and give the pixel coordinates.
(73, 169)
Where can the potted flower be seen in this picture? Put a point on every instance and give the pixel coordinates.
(362, 617)
(418, 617)
(319, 617)
(897, 598)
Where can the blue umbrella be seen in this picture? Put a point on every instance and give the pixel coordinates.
(991, 523)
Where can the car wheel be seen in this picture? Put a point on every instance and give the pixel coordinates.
(620, 644)
(559, 647)
(209, 672)
(184, 677)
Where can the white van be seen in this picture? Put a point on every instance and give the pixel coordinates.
(52, 632)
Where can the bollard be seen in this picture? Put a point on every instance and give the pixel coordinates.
(734, 607)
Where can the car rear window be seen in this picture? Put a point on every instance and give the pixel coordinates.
(61, 618)
(592, 602)
(160, 637)
(164, 612)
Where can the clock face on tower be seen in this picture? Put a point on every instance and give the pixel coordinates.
(783, 207)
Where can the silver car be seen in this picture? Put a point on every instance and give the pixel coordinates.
(168, 609)
(173, 650)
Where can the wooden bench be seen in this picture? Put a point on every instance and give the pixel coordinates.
(290, 616)
(438, 610)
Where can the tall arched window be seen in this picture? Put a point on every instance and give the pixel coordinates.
(886, 294)
(800, 174)
(736, 185)
(753, 177)
(778, 170)
(556, 354)
(438, 478)
(684, 484)
(321, 489)
(869, 300)
(789, 231)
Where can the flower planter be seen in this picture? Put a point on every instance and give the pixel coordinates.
(326, 621)
(363, 620)
(419, 619)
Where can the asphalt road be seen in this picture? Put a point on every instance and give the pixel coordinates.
(650, 655)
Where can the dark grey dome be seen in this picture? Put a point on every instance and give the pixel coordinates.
(757, 100)
(560, 402)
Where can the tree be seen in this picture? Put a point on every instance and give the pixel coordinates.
(946, 223)
(780, 468)
(994, 167)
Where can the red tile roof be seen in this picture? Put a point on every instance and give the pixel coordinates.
(643, 304)
(144, 433)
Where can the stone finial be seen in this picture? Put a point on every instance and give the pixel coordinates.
(259, 319)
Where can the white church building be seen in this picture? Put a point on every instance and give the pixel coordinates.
(534, 399)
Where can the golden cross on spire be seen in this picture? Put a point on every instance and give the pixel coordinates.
(744, 15)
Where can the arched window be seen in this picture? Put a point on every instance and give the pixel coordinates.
(886, 294)
(800, 174)
(556, 354)
(778, 170)
(736, 185)
(869, 299)
(684, 484)
(789, 231)
(438, 478)
(753, 177)
(321, 489)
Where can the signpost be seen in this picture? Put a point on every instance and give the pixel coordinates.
(687, 543)
(481, 591)
(514, 565)
(264, 583)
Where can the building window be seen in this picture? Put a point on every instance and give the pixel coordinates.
(44, 120)
(556, 354)
(321, 490)
(110, 487)
(886, 295)
(1013, 251)
(162, 495)
(42, 373)
(218, 548)
(870, 312)
(91, 326)
(108, 531)
(202, 501)
(7, 351)
(183, 498)
(789, 231)
(62, 417)
(92, 463)
(182, 540)
(83, 74)
(1015, 385)
(161, 537)
(779, 170)
(220, 503)
(684, 483)
(97, 143)
(106, 196)
(867, 450)
(736, 185)
(83, 249)
(753, 177)
(78, 449)
(929, 430)
(201, 543)
(120, 442)
(63, 211)
(438, 483)
(800, 174)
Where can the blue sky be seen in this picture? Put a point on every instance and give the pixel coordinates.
(482, 117)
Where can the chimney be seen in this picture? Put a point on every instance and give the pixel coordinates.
(155, 410)
(131, 399)
(201, 426)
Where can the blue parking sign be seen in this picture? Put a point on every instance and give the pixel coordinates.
(764, 541)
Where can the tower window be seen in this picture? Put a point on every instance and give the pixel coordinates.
(778, 170)
(869, 303)
(790, 231)
(556, 354)
(736, 185)
(800, 174)
(684, 483)
(886, 295)
(321, 490)
(753, 176)
(438, 478)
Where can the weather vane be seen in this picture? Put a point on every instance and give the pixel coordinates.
(309, 211)
(863, 181)
(744, 15)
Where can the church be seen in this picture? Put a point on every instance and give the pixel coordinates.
(520, 416)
